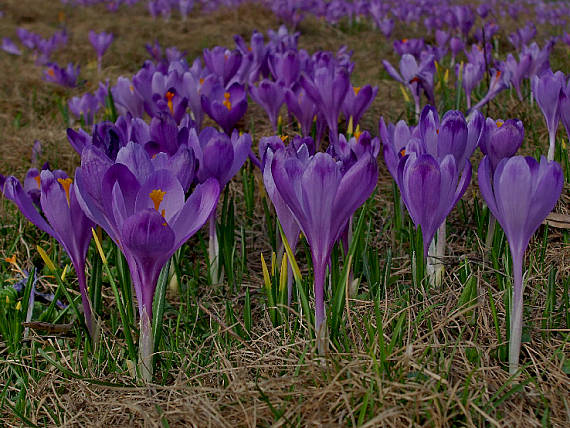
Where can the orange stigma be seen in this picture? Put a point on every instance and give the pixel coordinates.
(132, 88)
(356, 89)
(37, 178)
(500, 123)
(201, 80)
(169, 95)
(227, 103)
(404, 40)
(11, 260)
(66, 184)
(51, 72)
(284, 138)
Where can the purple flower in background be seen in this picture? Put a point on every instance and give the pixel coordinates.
(415, 77)
(226, 108)
(9, 46)
(271, 96)
(501, 140)
(328, 90)
(518, 71)
(322, 199)
(62, 76)
(456, 45)
(395, 138)
(430, 189)
(499, 82)
(540, 61)
(126, 99)
(100, 42)
(285, 67)
(522, 36)
(66, 222)
(302, 107)
(84, 107)
(386, 26)
(409, 46)
(546, 90)
(357, 101)
(520, 195)
(223, 63)
(219, 157)
(471, 77)
(144, 210)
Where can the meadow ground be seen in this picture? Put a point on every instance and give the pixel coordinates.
(403, 356)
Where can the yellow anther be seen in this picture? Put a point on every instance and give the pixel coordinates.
(201, 80)
(227, 104)
(403, 152)
(357, 132)
(66, 184)
(284, 138)
(37, 178)
(157, 196)
(227, 95)
(132, 88)
(500, 123)
(404, 40)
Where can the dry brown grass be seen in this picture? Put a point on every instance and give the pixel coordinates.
(434, 384)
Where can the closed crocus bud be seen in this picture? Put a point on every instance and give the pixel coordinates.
(271, 96)
(430, 189)
(520, 194)
(501, 140)
(546, 90)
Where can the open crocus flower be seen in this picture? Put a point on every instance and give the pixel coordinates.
(546, 90)
(430, 188)
(415, 77)
(62, 76)
(220, 157)
(225, 107)
(322, 199)
(66, 222)
(143, 208)
(520, 194)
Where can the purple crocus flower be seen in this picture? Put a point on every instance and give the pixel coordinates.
(456, 45)
(357, 101)
(84, 107)
(395, 138)
(9, 46)
(430, 189)
(100, 42)
(386, 26)
(520, 194)
(223, 63)
(471, 77)
(285, 67)
(220, 157)
(143, 208)
(225, 107)
(126, 99)
(518, 71)
(409, 46)
(302, 107)
(501, 139)
(415, 77)
(328, 90)
(322, 199)
(271, 96)
(62, 76)
(64, 220)
(546, 90)
(499, 82)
